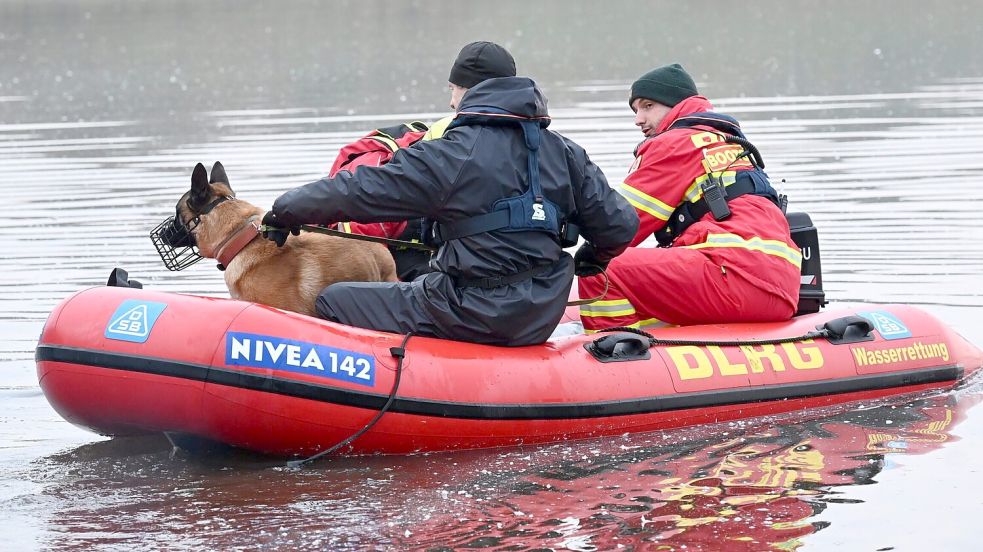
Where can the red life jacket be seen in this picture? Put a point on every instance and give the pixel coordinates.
(374, 150)
(377, 147)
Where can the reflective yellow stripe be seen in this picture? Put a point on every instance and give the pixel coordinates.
(438, 129)
(652, 323)
(769, 247)
(633, 325)
(649, 324)
(644, 202)
(693, 193)
(386, 141)
(607, 309)
(346, 227)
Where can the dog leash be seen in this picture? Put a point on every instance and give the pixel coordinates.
(418, 245)
(360, 237)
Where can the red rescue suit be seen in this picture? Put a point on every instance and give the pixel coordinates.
(374, 150)
(745, 268)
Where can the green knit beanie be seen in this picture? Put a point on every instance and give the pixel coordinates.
(668, 85)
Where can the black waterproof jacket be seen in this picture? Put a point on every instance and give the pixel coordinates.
(462, 175)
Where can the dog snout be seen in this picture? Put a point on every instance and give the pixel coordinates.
(175, 234)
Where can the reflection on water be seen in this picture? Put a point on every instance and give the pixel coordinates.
(106, 107)
(753, 485)
(744, 486)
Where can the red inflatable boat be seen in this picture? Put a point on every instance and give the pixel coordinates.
(122, 361)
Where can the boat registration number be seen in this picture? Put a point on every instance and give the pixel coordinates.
(277, 353)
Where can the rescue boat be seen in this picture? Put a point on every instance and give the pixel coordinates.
(123, 361)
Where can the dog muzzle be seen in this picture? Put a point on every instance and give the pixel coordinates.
(175, 243)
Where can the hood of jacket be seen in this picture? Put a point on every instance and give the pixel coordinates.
(517, 95)
(692, 104)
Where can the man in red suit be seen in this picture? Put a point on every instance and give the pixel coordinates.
(725, 252)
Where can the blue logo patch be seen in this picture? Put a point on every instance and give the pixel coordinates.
(887, 324)
(133, 320)
(264, 351)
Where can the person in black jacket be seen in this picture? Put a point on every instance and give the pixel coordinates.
(499, 186)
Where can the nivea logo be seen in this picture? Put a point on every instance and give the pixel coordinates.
(264, 351)
(133, 320)
(888, 325)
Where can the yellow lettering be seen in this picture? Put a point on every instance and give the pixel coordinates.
(691, 362)
(701, 139)
(721, 157)
(725, 366)
(914, 352)
(803, 358)
(767, 352)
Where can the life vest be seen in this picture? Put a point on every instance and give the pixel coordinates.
(382, 143)
(376, 149)
(531, 211)
(747, 178)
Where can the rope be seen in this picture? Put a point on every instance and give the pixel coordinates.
(607, 284)
(653, 341)
(398, 353)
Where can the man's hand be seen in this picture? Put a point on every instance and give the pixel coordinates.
(276, 231)
(585, 262)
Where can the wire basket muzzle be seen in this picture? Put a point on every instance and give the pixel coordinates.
(175, 244)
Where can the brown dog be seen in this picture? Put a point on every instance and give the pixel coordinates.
(289, 277)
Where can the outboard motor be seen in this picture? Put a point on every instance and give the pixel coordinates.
(805, 236)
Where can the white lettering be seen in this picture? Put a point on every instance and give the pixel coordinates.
(285, 355)
(275, 352)
(365, 367)
(348, 366)
(313, 361)
(293, 355)
(537, 212)
(240, 349)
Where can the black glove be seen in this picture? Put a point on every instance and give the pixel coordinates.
(585, 262)
(276, 231)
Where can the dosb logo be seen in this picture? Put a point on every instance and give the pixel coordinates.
(133, 320)
(887, 324)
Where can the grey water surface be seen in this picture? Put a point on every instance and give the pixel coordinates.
(871, 115)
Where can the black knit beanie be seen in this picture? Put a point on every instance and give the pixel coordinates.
(480, 61)
(668, 85)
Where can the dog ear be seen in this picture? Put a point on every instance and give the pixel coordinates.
(218, 174)
(200, 190)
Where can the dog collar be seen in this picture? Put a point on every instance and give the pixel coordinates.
(242, 237)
